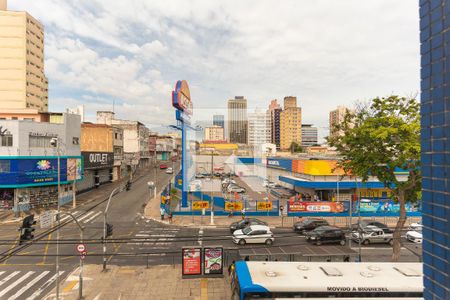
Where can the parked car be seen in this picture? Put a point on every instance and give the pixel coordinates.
(228, 180)
(217, 174)
(244, 223)
(415, 235)
(308, 225)
(163, 166)
(235, 189)
(199, 176)
(366, 223)
(260, 234)
(269, 184)
(372, 235)
(326, 234)
(169, 171)
(416, 226)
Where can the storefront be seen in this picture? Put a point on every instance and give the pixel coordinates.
(98, 169)
(31, 182)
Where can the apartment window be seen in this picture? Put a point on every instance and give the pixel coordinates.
(39, 141)
(6, 140)
(116, 135)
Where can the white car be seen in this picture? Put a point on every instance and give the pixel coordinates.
(228, 181)
(415, 236)
(257, 234)
(235, 189)
(372, 235)
(416, 226)
(169, 171)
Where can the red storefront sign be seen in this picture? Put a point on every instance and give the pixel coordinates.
(192, 261)
(334, 207)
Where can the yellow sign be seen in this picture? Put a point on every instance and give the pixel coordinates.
(199, 205)
(264, 205)
(236, 206)
(180, 181)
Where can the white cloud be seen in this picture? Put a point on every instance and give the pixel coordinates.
(325, 52)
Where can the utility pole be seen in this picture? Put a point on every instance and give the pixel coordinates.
(117, 189)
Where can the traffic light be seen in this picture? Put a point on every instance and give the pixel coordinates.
(26, 231)
(109, 230)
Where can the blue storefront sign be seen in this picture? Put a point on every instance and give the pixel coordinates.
(38, 171)
(279, 163)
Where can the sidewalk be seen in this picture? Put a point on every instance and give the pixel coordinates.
(152, 212)
(139, 283)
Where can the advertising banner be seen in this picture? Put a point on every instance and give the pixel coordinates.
(191, 261)
(39, 171)
(264, 205)
(199, 205)
(212, 260)
(368, 206)
(279, 163)
(98, 160)
(236, 206)
(334, 207)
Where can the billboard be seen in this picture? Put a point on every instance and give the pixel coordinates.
(191, 261)
(212, 260)
(317, 167)
(236, 206)
(36, 171)
(279, 163)
(181, 97)
(199, 205)
(264, 205)
(98, 160)
(334, 207)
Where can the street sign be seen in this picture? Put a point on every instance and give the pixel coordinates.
(83, 255)
(81, 248)
(46, 219)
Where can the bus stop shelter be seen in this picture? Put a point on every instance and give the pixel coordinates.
(306, 251)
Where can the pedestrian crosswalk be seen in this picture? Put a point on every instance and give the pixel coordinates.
(157, 238)
(83, 217)
(28, 284)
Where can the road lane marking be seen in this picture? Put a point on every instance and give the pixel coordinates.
(67, 217)
(44, 286)
(30, 284)
(46, 250)
(1, 272)
(85, 216)
(70, 286)
(9, 277)
(17, 282)
(92, 218)
(12, 247)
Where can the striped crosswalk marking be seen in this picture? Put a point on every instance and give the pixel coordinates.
(85, 216)
(92, 218)
(44, 286)
(67, 217)
(30, 284)
(8, 277)
(13, 285)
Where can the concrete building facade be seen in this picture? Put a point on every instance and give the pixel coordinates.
(214, 133)
(290, 123)
(259, 128)
(23, 83)
(237, 120)
(435, 145)
(309, 135)
(219, 120)
(337, 117)
(275, 110)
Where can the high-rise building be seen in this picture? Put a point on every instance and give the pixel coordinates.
(309, 135)
(337, 117)
(290, 123)
(275, 110)
(259, 131)
(237, 120)
(23, 83)
(219, 120)
(435, 146)
(214, 133)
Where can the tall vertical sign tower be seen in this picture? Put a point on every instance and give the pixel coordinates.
(181, 100)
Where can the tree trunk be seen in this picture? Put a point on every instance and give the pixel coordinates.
(396, 248)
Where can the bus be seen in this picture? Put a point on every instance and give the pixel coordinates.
(317, 280)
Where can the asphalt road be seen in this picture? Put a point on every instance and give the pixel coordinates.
(136, 241)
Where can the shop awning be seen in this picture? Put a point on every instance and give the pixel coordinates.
(299, 182)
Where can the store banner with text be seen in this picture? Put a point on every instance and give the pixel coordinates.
(334, 207)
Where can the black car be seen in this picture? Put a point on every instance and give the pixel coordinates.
(365, 223)
(309, 224)
(244, 223)
(326, 234)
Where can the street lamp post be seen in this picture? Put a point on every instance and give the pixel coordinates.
(359, 219)
(117, 189)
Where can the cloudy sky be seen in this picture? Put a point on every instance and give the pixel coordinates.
(327, 53)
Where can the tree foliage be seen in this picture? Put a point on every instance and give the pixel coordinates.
(295, 148)
(377, 140)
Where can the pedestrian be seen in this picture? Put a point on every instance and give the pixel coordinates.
(162, 211)
(243, 213)
(247, 258)
(170, 218)
(231, 268)
(347, 258)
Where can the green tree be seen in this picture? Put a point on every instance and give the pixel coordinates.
(296, 148)
(379, 138)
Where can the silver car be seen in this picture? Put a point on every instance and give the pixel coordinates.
(372, 235)
(258, 234)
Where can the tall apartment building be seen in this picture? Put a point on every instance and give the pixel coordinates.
(259, 129)
(237, 120)
(275, 110)
(309, 135)
(435, 146)
(23, 83)
(290, 123)
(337, 117)
(219, 120)
(214, 133)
